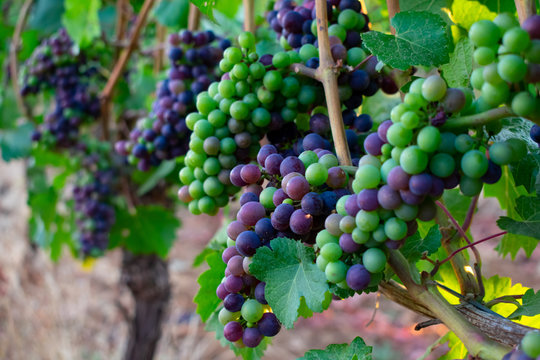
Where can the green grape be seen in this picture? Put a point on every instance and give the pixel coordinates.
(281, 60)
(484, 55)
(260, 117)
(474, 164)
(251, 101)
(416, 86)
(308, 51)
(217, 118)
(442, 165)
(316, 174)
(272, 80)
(203, 129)
(379, 235)
(200, 174)
(429, 139)
(484, 33)
(505, 21)
(196, 144)
(386, 167)
(359, 236)
(464, 143)
(211, 166)
(294, 57)
(370, 160)
(329, 160)
(196, 189)
(213, 89)
(386, 149)
(523, 104)
(307, 95)
(395, 229)
(324, 237)
(348, 19)
(396, 154)
(266, 198)
(225, 65)
(308, 157)
(331, 252)
(321, 263)
(477, 78)
(257, 70)
(265, 96)
(207, 205)
(512, 68)
(434, 88)
(340, 205)
(530, 343)
(374, 260)
(336, 271)
(470, 186)
(225, 105)
(414, 101)
(193, 207)
(225, 316)
(354, 56)
(347, 224)
(398, 135)
(406, 212)
(291, 87)
(252, 310)
(413, 160)
(239, 110)
(246, 40)
(338, 31)
(368, 176)
(186, 175)
(516, 40)
(367, 220)
(233, 55)
(397, 111)
(240, 71)
(495, 95)
(491, 74)
(447, 146)
(500, 153)
(205, 104)
(242, 88)
(533, 54)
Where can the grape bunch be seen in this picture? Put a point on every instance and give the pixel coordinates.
(300, 192)
(508, 59)
(56, 65)
(529, 348)
(296, 25)
(93, 193)
(163, 135)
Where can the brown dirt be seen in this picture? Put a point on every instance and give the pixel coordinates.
(62, 311)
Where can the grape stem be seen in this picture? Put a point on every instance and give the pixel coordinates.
(13, 50)
(327, 75)
(393, 9)
(525, 8)
(159, 52)
(194, 17)
(249, 16)
(121, 22)
(470, 213)
(457, 251)
(483, 118)
(118, 69)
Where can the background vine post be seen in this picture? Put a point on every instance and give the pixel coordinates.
(194, 17)
(249, 15)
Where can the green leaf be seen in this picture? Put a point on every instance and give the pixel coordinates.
(107, 21)
(420, 39)
(517, 128)
(290, 273)
(213, 325)
(206, 7)
(172, 13)
(380, 105)
(341, 292)
(499, 6)
(432, 6)
(457, 349)
(81, 20)
(526, 172)
(16, 143)
(164, 169)
(229, 8)
(206, 298)
(150, 230)
(356, 350)
(415, 246)
(530, 305)
(467, 12)
(528, 209)
(458, 71)
(46, 16)
(457, 204)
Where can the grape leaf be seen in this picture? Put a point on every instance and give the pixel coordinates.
(46, 15)
(81, 20)
(517, 128)
(458, 71)
(356, 350)
(206, 298)
(206, 7)
(433, 6)
(526, 172)
(456, 348)
(150, 230)
(213, 325)
(530, 305)
(528, 209)
(420, 39)
(172, 13)
(415, 246)
(164, 169)
(16, 143)
(290, 274)
(467, 12)
(457, 204)
(499, 6)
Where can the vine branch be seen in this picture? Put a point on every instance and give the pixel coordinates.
(393, 9)
(194, 17)
(525, 8)
(249, 16)
(14, 49)
(470, 213)
(483, 118)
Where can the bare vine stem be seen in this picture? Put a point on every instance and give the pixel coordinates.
(470, 213)
(525, 8)
(194, 18)
(249, 16)
(14, 49)
(393, 9)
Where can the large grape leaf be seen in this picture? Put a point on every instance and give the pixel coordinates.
(456, 348)
(499, 6)
(46, 15)
(458, 71)
(434, 6)
(526, 172)
(357, 350)
(457, 204)
(213, 325)
(149, 230)
(206, 298)
(172, 13)
(415, 246)
(467, 12)
(530, 305)
(81, 20)
(528, 223)
(517, 128)
(290, 273)
(420, 39)
(16, 143)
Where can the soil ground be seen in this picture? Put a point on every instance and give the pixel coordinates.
(62, 311)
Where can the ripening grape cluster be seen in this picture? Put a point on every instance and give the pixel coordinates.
(299, 193)
(93, 193)
(163, 135)
(529, 348)
(56, 64)
(508, 59)
(296, 25)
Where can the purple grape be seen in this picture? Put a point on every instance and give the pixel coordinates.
(233, 284)
(351, 205)
(367, 200)
(297, 187)
(420, 184)
(312, 142)
(427, 210)
(493, 173)
(410, 198)
(252, 337)
(437, 188)
(451, 181)
(300, 222)
(235, 228)
(281, 216)
(383, 129)
(291, 164)
(412, 227)
(373, 144)
(312, 204)
(259, 294)
(250, 213)
(236, 265)
(264, 152)
(250, 173)
(272, 164)
(358, 277)
(265, 230)
(269, 325)
(319, 124)
(279, 196)
(235, 176)
(363, 123)
(388, 198)
(337, 178)
(233, 331)
(398, 179)
(292, 22)
(347, 244)
(228, 253)
(221, 292)
(233, 302)
(359, 80)
(247, 243)
(532, 26)
(248, 197)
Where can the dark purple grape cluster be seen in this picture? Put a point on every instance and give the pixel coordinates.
(163, 135)
(56, 65)
(295, 24)
(299, 193)
(535, 134)
(93, 193)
